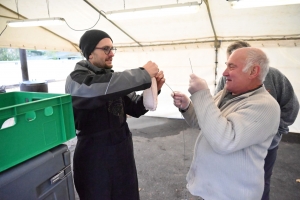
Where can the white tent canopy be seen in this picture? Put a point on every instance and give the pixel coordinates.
(170, 41)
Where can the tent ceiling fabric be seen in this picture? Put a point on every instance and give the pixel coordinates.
(31, 38)
(265, 23)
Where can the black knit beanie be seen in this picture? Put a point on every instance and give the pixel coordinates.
(89, 40)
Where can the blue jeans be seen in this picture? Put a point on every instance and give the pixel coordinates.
(269, 164)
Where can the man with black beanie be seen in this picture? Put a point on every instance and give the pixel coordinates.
(104, 165)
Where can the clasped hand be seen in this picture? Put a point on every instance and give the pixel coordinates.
(196, 84)
(160, 79)
(181, 100)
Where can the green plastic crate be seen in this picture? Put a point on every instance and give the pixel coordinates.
(42, 121)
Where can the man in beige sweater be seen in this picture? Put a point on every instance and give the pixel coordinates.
(236, 129)
(278, 85)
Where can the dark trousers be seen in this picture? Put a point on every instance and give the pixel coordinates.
(269, 164)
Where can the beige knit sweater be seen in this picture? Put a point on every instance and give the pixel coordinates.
(232, 144)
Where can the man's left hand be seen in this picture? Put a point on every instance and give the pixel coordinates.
(160, 79)
(196, 84)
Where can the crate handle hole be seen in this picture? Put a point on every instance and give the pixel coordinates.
(35, 99)
(30, 116)
(48, 111)
(8, 123)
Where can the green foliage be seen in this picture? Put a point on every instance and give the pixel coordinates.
(13, 54)
(51, 54)
(9, 54)
(35, 53)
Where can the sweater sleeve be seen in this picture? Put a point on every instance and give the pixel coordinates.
(134, 105)
(190, 117)
(89, 90)
(244, 126)
(286, 99)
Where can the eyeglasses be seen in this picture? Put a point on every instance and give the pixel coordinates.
(107, 50)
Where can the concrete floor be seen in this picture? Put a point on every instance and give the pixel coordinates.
(164, 150)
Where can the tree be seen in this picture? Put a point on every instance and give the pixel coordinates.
(9, 54)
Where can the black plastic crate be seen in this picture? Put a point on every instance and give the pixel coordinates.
(47, 176)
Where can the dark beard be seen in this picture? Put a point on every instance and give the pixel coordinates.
(102, 66)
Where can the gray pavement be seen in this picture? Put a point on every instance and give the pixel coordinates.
(164, 149)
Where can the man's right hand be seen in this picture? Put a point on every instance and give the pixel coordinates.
(181, 101)
(196, 84)
(151, 68)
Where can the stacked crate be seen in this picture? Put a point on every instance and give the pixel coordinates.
(34, 127)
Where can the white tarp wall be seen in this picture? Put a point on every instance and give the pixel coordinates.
(174, 61)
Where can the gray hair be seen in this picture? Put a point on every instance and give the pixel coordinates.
(236, 45)
(257, 57)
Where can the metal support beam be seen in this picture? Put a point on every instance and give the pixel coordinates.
(216, 67)
(211, 41)
(217, 43)
(112, 22)
(24, 68)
